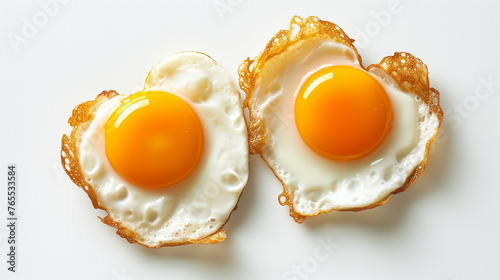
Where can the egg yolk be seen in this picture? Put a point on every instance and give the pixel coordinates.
(342, 113)
(154, 139)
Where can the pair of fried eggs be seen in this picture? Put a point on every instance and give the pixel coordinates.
(169, 163)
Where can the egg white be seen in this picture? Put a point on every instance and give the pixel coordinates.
(201, 204)
(319, 184)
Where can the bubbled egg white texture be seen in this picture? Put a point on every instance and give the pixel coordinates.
(319, 184)
(199, 205)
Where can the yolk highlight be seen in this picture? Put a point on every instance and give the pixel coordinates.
(154, 139)
(342, 113)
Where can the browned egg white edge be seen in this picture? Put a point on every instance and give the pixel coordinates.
(409, 72)
(81, 117)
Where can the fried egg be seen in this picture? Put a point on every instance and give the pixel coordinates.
(337, 135)
(168, 164)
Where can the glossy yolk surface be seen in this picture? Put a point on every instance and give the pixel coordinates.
(154, 139)
(342, 113)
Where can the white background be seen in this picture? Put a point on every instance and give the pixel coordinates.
(446, 226)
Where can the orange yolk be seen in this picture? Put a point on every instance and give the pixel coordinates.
(154, 139)
(342, 113)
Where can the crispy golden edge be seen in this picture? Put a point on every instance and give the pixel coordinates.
(134, 237)
(409, 72)
(81, 115)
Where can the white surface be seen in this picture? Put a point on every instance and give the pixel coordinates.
(446, 226)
